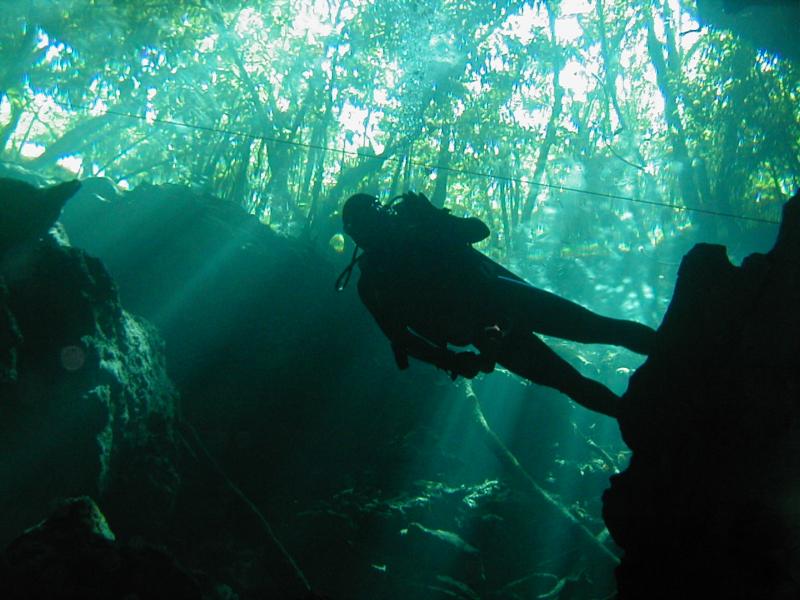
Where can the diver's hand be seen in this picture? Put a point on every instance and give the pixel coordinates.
(492, 342)
(469, 364)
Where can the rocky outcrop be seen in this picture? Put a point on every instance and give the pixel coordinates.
(708, 507)
(769, 25)
(9, 339)
(74, 554)
(436, 541)
(86, 406)
(28, 212)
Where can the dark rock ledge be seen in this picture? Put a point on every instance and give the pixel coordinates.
(74, 554)
(710, 504)
(86, 407)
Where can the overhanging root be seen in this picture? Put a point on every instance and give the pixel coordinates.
(522, 480)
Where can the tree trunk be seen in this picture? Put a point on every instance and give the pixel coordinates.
(610, 63)
(76, 139)
(17, 61)
(552, 124)
(680, 150)
(443, 161)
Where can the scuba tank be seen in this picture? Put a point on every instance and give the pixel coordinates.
(417, 229)
(421, 222)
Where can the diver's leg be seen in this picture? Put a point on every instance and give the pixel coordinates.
(549, 314)
(529, 357)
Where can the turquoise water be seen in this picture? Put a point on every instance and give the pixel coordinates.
(599, 141)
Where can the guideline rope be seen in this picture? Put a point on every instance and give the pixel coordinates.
(151, 120)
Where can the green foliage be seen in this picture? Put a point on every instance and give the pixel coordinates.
(294, 104)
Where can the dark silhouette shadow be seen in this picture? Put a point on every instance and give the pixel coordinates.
(430, 290)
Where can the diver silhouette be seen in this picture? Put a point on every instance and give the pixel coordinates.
(429, 290)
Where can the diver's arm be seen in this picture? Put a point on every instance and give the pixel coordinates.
(409, 343)
(405, 342)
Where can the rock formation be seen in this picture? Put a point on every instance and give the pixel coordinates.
(86, 406)
(28, 212)
(708, 507)
(74, 554)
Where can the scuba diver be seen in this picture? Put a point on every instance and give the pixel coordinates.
(429, 290)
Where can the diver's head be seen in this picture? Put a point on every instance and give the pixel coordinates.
(364, 220)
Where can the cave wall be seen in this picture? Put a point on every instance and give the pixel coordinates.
(86, 406)
(708, 507)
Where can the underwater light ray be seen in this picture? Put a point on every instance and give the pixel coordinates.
(523, 479)
(152, 120)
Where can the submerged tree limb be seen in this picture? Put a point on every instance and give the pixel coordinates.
(521, 479)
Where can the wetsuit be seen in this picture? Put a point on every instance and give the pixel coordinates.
(429, 290)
